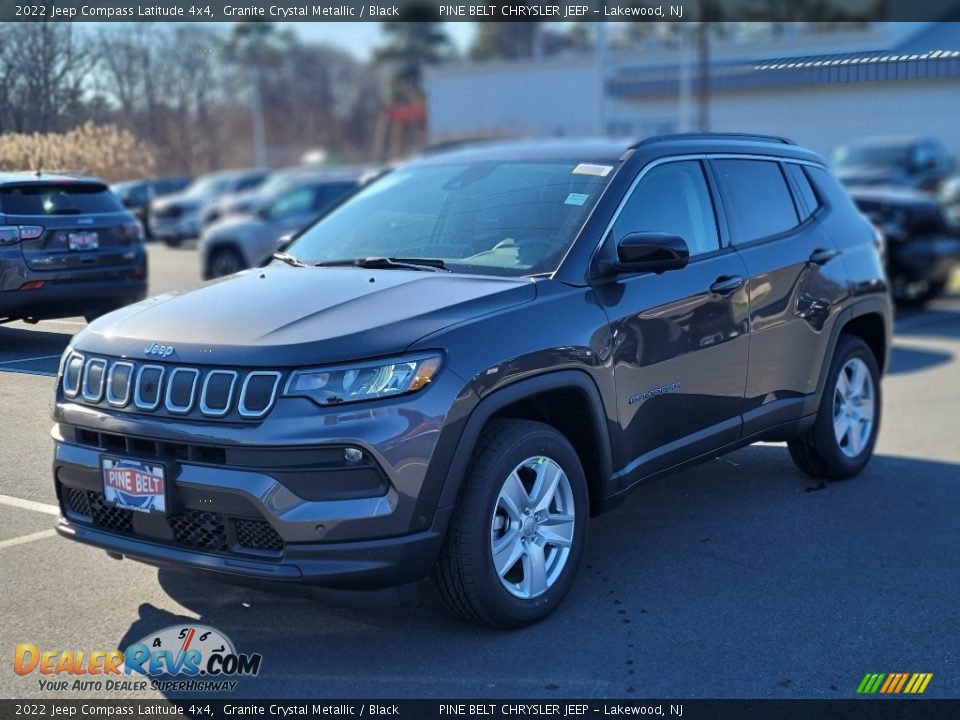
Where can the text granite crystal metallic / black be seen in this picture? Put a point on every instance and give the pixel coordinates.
(457, 367)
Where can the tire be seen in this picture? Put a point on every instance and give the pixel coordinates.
(842, 451)
(225, 261)
(508, 451)
(173, 242)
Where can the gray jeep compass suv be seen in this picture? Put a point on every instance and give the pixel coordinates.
(67, 247)
(458, 366)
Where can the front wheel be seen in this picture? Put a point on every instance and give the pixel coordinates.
(842, 438)
(519, 528)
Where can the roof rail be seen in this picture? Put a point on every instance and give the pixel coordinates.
(713, 136)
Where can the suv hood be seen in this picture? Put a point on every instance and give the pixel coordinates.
(289, 317)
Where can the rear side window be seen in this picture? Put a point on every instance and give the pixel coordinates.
(809, 203)
(756, 198)
(58, 199)
(672, 198)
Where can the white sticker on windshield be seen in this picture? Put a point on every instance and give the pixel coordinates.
(588, 169)
(575, 199)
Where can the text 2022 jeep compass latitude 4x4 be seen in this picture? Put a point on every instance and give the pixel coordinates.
(458, 366)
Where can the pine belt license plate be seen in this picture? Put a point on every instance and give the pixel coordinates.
(134, 485)
(81, 241)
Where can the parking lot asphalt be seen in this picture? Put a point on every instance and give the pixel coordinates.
(738, 578)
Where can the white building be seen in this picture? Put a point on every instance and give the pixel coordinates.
(818, 89)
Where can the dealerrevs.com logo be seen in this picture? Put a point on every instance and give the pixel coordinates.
(179, 658)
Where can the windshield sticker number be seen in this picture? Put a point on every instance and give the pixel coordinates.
(576, 199)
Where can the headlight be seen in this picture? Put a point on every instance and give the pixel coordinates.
(364, 381)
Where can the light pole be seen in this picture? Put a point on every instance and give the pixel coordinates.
(256, 119)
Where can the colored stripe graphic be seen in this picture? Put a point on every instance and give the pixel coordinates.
(894, 683)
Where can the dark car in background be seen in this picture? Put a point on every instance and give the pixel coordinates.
(921, 163)
(244, 240)
(458, 366)
(179, 217)
(67, 247)
(136, 195)
(922, 244)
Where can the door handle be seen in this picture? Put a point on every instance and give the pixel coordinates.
(822, 257)
(727, 285)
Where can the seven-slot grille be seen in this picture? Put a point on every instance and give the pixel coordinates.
(170, 389)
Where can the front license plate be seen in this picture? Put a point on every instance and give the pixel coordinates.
(83, 241)
(134, 485)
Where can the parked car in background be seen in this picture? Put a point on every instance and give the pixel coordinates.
(922, 163)
(176, 218)
(949, 197)
(67, 247)
(241, 202)
(136, 195)
(922, 245)
(242, 241)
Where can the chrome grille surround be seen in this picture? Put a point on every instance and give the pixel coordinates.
(170, 390)
(205, 408)
(114, 398)
(138, 397)
(73, 368)
(98, 366)
(255, 413)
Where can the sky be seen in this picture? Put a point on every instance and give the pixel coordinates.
(360, 38)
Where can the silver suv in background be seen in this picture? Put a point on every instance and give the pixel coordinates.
(244, 240)
(176, 218)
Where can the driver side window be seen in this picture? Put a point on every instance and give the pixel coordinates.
(672, 198)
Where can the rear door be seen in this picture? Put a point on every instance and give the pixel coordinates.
(70, 225)
(795, 282)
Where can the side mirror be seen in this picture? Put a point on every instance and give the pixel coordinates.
(651, 252)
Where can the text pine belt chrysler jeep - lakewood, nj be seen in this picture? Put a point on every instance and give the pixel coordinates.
(454, 369)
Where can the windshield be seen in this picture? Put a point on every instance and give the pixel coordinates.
(876, 155)
(501, 218)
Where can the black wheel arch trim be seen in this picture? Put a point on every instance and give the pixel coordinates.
(455, 446)
(879, 306)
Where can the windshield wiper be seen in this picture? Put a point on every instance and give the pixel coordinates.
(289, 259)
(391, 263)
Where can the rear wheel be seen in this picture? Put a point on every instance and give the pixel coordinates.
(225, 261)
(842, 438)
(516, 538)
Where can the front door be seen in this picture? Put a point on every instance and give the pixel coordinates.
(680, 338)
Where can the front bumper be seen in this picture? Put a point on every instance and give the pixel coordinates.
(277, 501)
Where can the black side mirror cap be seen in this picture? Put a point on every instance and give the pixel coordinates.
(649, 252)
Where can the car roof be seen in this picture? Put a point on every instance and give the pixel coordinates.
(613, 151)
(42, 178)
